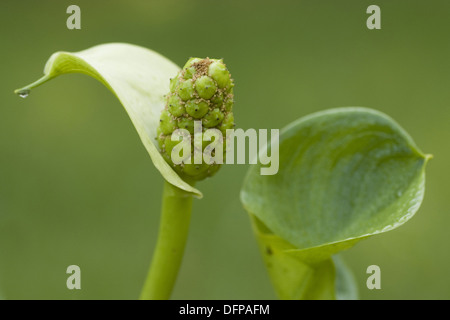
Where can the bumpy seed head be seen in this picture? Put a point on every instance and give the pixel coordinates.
(201, 91)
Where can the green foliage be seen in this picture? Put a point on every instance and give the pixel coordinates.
(203, 91)
(345, 174)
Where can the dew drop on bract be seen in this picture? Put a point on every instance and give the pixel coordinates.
(24, 93)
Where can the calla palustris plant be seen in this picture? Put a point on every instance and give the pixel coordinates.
(345, 174)
(158, 97)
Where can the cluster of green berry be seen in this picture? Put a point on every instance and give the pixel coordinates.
(201, 91)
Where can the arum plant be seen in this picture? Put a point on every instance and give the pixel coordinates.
(345, 175)
(159, 98)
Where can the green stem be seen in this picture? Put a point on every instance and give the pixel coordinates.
(173, 232)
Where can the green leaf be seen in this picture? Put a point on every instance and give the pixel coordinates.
(345, 174)
(137, 76)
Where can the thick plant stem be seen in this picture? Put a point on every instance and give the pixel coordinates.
(173, 232)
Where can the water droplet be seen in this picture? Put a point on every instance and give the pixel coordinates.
(24, 93)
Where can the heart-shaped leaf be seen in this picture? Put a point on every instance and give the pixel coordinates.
(137, 76)
(345, 174)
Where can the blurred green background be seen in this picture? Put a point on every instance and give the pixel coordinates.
(77, 186)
